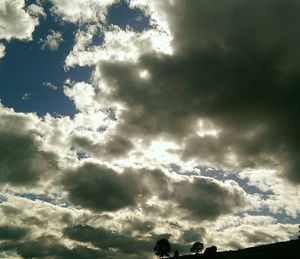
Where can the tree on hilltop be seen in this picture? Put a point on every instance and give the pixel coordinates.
(210, 251)
(197, 247)
(162, 248)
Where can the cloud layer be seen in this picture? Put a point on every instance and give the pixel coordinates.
(15, 22)
(186, 130)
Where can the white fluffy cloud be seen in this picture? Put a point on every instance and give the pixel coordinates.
(36, 10)
(15, 22)
(81, 11)
(282, 196)
(122, 45)
(117, 45)
(82, 94)
(52, 40)
(2, 50)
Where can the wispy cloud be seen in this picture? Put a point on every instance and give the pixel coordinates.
(50, 86)
(27, 96)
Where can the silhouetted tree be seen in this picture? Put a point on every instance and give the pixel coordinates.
(162, 248)
(210, 250)
(176, 254)
(197, 247)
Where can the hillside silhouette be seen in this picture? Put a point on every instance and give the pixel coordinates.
(281, 250)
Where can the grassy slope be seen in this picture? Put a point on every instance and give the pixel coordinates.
(282, 250)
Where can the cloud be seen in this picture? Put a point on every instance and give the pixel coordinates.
(102, 189)
(254, 230)
(27, 96)
(43, 246)
(81, 11)
(282, 197)
(193, 234)
(44, 238)
(52, 40)
(49, 246)
(240, 81)
(50, 86)
(2, 50)
(123, 234)
(138, 226)
(112, 147)
(259, 237)
(36, 10)
(32, 163)
(12, 232)
(206, 199)
(164, 109)
(106, 240)
(15, 22)
(82, 94)
(118, 44)
(21, 160)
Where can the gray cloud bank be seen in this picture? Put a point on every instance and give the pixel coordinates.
(106, 240)
(102, 189)
(12, 233)
(22, 162)
(48, 246)
(235, 66)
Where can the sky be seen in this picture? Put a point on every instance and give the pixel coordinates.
(124, 122)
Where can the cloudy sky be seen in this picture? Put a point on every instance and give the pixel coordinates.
(123, 122)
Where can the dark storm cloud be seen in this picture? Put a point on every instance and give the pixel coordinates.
(12, 233)
(138, 226)
(199, 198)
(259, 237)
(46, 247)
(102, 189)
(236, 66)
(115, 146)
(107, 240)
(205, 199)
(21, 161)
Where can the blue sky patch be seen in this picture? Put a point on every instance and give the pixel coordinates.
(26, 68)
(122, 15)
